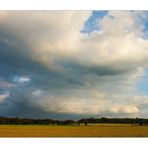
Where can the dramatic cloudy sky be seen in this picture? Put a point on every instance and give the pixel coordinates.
(73, 64)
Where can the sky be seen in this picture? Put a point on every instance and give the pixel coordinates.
(73, 64)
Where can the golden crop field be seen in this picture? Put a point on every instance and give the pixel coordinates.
(99, 130)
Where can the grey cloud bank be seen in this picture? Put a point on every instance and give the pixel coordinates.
(49, 68)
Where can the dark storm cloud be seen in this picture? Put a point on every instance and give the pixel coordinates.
(20, 103)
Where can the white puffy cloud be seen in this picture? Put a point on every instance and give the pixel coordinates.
(115, 47)
(129, 109)
(56, 34)
(93, 103)
(53, 35)
(45, 35)
(21, 79)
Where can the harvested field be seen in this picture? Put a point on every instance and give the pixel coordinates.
(98, 130)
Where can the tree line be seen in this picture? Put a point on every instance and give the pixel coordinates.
(84, 121)
(139, 121)
(29, 121)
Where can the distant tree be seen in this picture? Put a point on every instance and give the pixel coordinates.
(68, 122)
(78, 123)
(104, 120)
(85, 123)
(140, 122)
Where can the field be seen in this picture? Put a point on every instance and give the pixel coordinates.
(99, 130)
